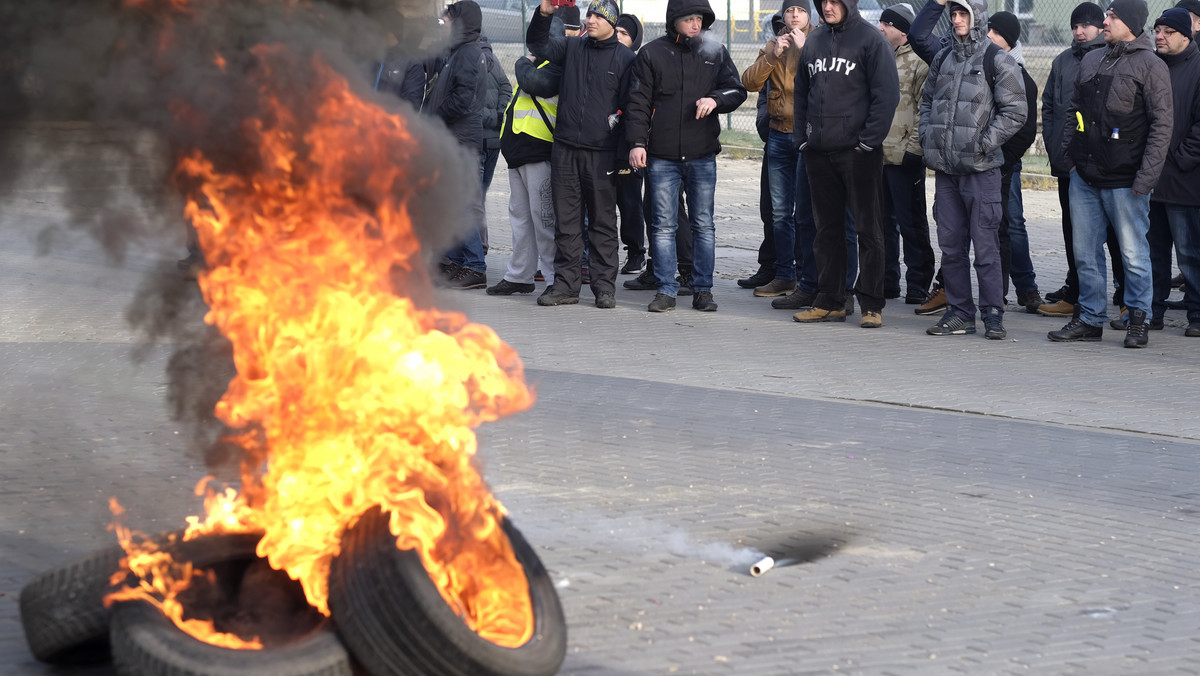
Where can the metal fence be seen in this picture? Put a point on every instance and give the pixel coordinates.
(1044, 32)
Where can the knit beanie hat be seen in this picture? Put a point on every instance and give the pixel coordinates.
(607, 10)
(632, 26)
(900, 16)
(1089, 14)
(1007, 25)
(569, 14)
(1178, 19)
(1132, 13)
(803, 4)
(1192, 6)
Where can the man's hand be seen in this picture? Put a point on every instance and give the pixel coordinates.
(705, 106)
(798, 38)
(637, 158)
(531, 57)
(781, 44)
(547, 8)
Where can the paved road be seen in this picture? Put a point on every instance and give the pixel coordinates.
(958, 505)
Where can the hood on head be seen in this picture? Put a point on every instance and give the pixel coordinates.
(468, 21)
(677, 9)
(979, 17)
(633, 26)
(773, 25)
(851, 11)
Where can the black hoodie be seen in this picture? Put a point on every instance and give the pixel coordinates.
(458, 92)
(847, 88)
(672, 73)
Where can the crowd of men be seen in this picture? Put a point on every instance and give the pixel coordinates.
(609, 141)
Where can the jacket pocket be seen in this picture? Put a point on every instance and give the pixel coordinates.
(1120, 156)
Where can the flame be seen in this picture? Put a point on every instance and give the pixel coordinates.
(347, 395)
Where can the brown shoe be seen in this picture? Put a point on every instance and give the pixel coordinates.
(816, 314)
(776, 287)
(871, 320)
(1060, 309)
(936, 303)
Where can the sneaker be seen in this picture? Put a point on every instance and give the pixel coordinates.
(1193, 330)
(849, 304)
(507, 288)
(605, 300)
(796, 300)
(539, 277)
(1031, 300)
(871, 319)
(661, 303)
(1135, 335)
(816, 314)
(685, 284)
(776, 287)
(633, 264)
(585, 276)
(643, 282)
(935, 304)
(757, 279)
(952, 324)
(915, 297)
(552, 296)
(993, 323)
(1057, 309)
(1055, 296)
(1177, 281)
(1076, 331)
(466, 278)
(703, 302)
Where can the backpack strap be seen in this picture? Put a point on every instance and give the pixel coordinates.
(989, 61)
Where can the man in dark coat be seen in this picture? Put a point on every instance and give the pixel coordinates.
(846, 93)
(683, 81)
(595, 79)
(456, 98)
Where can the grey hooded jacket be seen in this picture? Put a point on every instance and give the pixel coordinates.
(964, 123)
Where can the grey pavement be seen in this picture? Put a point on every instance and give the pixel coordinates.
(956, 505)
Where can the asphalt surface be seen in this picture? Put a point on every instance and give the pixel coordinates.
(954, 505)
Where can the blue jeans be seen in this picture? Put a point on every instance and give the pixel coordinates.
(1181, 225)
(699, 179)
(1092, 211)
(782, 161)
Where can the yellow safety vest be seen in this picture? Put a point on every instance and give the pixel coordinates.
(527, 119)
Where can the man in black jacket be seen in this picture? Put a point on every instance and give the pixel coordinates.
(595, 77)
(846, 93)
(683, 81)
(457, 99)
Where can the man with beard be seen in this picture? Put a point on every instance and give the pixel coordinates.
(683, 81)
(595, 77)
(457, 98)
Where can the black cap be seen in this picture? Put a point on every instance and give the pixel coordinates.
(1132, 13)
(1007, 25)
(569, 15)
(1089, 14)
(899, 16)
(633, 26)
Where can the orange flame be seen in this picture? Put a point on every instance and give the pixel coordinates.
(348, 395)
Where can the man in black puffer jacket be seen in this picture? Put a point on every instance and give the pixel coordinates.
(681, 83)
(595, 79)
(846, 93)
(457, 99)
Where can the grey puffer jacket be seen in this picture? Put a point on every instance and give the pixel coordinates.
(964, 123)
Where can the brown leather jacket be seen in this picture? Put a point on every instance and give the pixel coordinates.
(782, 74)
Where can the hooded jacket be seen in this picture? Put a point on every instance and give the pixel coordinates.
(780, 72)
(496, 95)
(1180, 179)
(1056, 98)
(637, 34)
(964, 121)
(458, 91)
(595, 79)
(846, 88)
(1123, 91)
(673, 72)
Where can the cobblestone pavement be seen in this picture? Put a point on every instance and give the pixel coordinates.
(955, 505)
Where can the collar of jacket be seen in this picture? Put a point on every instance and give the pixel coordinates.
(1081, 48)
(1187, 53)
(602, 44)
(1119, 49)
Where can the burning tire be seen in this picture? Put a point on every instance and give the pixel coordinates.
(247, 598)
(394, 620)
(63, 613)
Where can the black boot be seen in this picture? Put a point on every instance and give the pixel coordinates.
(1076, 330)
(1135, 335)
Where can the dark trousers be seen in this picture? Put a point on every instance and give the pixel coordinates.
(766, 250)
(837, 180)
(967, 210)
(633, 217)
(580, 179)
(904, 200)
(1114, 250)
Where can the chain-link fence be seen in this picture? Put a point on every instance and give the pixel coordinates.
(1044, 32)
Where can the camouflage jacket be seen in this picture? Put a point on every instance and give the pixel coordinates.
(904, 136)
